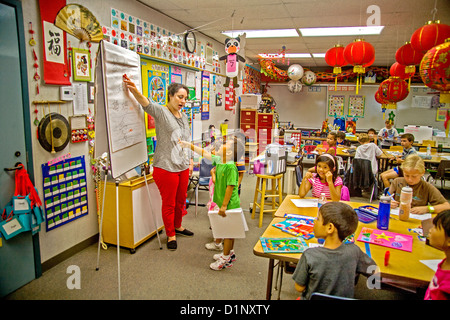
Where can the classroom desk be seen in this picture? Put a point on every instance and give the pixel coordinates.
(404, 267)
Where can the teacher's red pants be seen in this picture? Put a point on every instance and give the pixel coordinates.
(173, 189)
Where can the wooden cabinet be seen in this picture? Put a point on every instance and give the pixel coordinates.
(136, 217)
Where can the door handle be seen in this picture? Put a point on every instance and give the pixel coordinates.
(17, 166)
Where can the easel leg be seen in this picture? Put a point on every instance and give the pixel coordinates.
(118, 239)
(153, 212)
(101, 223)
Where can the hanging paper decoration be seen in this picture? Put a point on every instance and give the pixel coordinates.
(56, 68)
(393, 90)
(408, 56)
(433, 33)
(359, 54)
(334, 57)
(309, 78)
(435, 70)
(295, 72)
(268, 68)
(294, 86)
(232, 47)
(383, 102)
(400, 70)
(79, 22)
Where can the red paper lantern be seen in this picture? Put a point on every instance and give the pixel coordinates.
(435, 70)
(383, 102)
(359, 53)
(400, 70)
(408, 56)
(430, 35)
(334, 57)
(393, 90)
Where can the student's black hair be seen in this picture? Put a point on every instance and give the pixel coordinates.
(342, 216)
(331, 162)
(443, 220)
(340, 134)
(173, 89)
(372, 129)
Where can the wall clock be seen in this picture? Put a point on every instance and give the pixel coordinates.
(190, 42)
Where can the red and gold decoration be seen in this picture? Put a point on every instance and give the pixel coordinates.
(383, 102)
(393, 90)
(334, 57)
(409, 57)
(435, 70)
(403, 72)
(430, 35)
(269, 69)
(359, 54)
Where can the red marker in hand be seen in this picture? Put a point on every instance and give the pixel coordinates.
(386, 258)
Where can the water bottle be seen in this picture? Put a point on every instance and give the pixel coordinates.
(384, 210)
(405, 203)
(322, 200)
(429, 150)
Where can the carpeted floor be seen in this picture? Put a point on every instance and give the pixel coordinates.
(184, 274)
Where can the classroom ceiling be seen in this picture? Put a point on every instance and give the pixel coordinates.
(400, 18)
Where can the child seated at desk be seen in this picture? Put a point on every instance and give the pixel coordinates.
(332, 269)
(324, 180)
(372, 136)
(426, 197)
(439, 288)
(407, 141)
(331, 141)
(369, 151)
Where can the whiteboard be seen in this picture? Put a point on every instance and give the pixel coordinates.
(420, 132)
(119, 119)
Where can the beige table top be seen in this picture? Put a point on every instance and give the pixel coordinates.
(405, 266)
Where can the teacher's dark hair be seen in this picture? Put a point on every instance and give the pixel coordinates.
(173, 89)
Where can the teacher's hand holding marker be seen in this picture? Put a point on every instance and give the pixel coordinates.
(170, 162)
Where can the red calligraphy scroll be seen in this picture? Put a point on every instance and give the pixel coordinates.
(56, 68)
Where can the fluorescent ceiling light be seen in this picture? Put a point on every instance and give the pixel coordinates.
(276, 33)
(341, 31)
(318, 55)
(286, 55)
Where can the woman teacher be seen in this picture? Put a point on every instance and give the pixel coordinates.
(170, 162)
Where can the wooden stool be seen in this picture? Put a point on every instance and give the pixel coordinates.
(276, 182)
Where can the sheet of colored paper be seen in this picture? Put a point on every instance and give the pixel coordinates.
(386, 239)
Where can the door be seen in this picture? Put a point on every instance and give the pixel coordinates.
(17, 255)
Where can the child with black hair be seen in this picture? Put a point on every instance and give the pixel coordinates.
(439, 288)
(225, 188)
(324, 180)
(332, 269)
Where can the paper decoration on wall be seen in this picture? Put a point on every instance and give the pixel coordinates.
(205, 95)
(252, 80)
(356, 106)
(232, 58)
(229, 97)
(336, 105)
(79, 22)
(56, 68)
(65, 191)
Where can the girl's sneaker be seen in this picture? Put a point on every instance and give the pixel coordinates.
(221, 263)
(232, 256)
(214, 246)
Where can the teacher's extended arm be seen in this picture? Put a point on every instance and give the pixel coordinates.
(143, 101)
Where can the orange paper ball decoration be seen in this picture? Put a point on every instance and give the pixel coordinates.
(393, 90)
(430, 35)
(408, 56)
(334, 57)
(435, 70)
